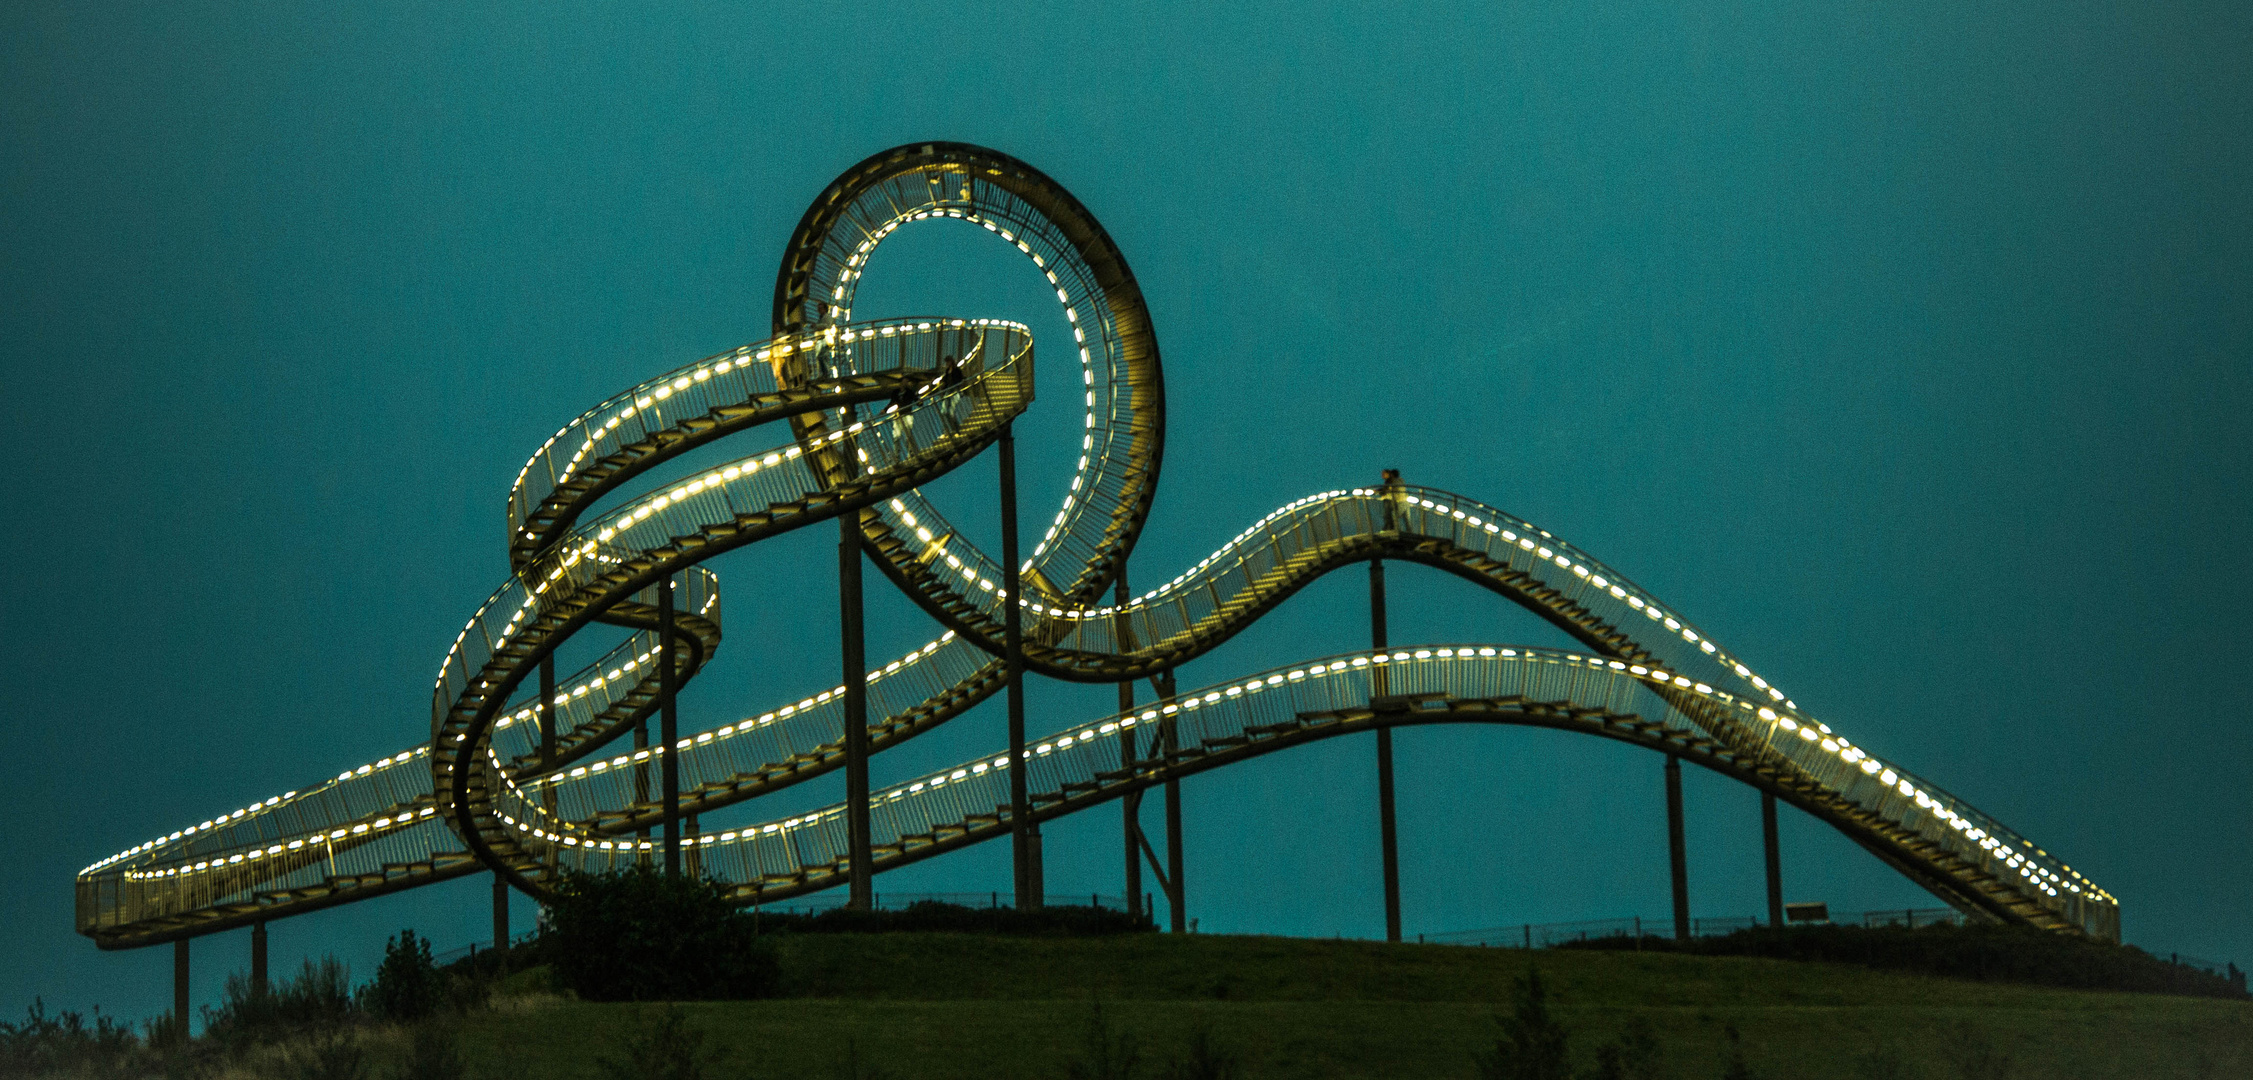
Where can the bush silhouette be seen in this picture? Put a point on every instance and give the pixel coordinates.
(638, 935)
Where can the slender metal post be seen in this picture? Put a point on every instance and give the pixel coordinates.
(1387, 825)
(1178, 898)
(693, 856)
(863, 887)
(547, 710)
(1775, 859)
(1676, 853)
(641, 774)
(500, 911)
(1130, 807)
(547, 742)
(669, 728)
(258, 958)
(1013, 654)
(180, 987)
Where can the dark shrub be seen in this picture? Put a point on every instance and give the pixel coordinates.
(1533, 1043)
(666, 1048)
(433, 1054)
(66, 1044)
(638, 935)
(319, 998)
(408, 986)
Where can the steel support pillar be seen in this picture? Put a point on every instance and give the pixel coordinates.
(641, 785)
(1677, 855)
(1130, 806)
(863, 888)
(258, 958)
(669, 728)
(1178, 898)
(547, 743)
(180, 988)
(1021, 851)
(500, 911)
(1387, 825)
(1775, 859)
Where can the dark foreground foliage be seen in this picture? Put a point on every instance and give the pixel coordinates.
(933, 916)
(408, 986)
(317, 1000)
(1983, 953)
(67, 1044)
(638, 935)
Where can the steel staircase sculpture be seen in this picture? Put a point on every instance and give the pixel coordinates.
(878, 408)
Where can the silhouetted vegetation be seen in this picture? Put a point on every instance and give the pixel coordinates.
(665, 1048)
(408, 985)
(434, 1053)
(934, 916)
(316, 1001)
(1985, 953)
(1204, 1059)
(1107, 1054)
(639, 935)
(1533, 1045)
(68, 1044)
(1635, 1055)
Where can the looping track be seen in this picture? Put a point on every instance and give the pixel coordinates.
(876, 409)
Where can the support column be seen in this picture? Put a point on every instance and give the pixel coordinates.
(547, 744)
(500, 911)
(669, 728)
(180, 988)
(693, 856)
(1178, 899)
(641, 786)
(1675, 850)
(258, 958)
(1130, 806)
(863, 887)
(1775, 859)
(1013, 655)
(1387, 826)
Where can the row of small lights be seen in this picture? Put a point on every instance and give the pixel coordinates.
(1830, 741)
(632, 515)
(254, 809)
(1657, 677)
(626, 518)
(2041, 877)
(1835, 744)
(867, 247)
(380, 824)
(722, 734)
(641, 398)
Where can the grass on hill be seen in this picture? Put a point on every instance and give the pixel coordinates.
(993, 1008)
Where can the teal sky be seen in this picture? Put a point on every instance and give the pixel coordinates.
(1905, 347)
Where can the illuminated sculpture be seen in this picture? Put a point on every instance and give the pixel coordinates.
(876, 409)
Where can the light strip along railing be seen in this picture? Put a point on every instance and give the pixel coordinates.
(1280, 554)
(600, 563)
(809, 729)
(714, 397)
(1272, 558)
(1079, 767)
(223, 871)
(1078, 551)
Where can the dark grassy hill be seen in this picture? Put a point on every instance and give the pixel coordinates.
(946, 1005)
